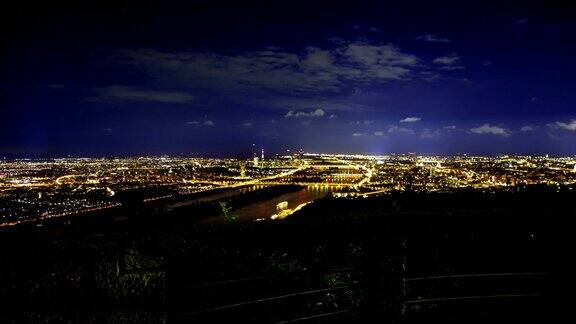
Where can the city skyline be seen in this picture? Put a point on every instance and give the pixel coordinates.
(216, 78)
(51, 188)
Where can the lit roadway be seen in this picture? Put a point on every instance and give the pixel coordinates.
(253, 181)
(311, 184)
(274, 177)
(262, 181)
(267, 180)
(342, 165)
(367, 175)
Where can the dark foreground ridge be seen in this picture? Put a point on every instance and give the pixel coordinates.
(466, 257)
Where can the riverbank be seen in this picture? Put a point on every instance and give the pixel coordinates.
(196, 209)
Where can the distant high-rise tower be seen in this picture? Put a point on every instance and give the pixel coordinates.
(262, 154)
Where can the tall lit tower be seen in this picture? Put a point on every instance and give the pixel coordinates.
(262, 154)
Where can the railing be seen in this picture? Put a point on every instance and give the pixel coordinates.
(412, 292)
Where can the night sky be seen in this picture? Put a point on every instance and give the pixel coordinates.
(210, 77)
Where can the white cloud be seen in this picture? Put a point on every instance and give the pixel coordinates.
(378, 133)
(411, 120)
(449, 127)
(198, 123)
(317, 113)
(396, 129)
(317, 59)
(135, 94)
(296, 114)
(332, 116)
(296, 80)
(247, 124)
(571, 126)
(429, 76)
(361, 122)
(527, 128)
(449, 59)
(379, 57)
(302, 103)
(432, 38)
(357, 134)
(490, 129)
(430, 134)
(311, 71)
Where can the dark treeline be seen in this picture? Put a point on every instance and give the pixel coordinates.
(471, 256)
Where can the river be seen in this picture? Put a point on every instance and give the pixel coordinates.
(215, 196)
(267, 208)
(258, 210)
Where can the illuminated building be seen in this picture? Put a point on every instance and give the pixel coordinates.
(45, 188)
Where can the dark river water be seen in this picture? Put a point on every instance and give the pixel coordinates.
(267, 208)
(215, 196)
(262, 209)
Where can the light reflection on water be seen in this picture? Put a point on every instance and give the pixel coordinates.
(265, 209)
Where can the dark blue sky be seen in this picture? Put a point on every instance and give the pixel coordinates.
(212, 77)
